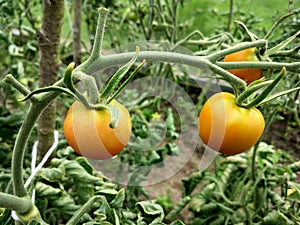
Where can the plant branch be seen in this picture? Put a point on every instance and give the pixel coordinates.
(220, 54)
(190, 60)
(20, 147)
(9, 79)
(97, 46)
(292, 67)
(12, 202)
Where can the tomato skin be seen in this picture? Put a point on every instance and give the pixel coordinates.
(249, 74)
(227, 128)
(88, 132)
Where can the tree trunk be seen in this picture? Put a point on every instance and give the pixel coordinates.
(48, 40)
(76, 32)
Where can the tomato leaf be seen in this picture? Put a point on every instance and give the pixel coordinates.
(118, 200)
(44, 190)
(151, 210)
(53, 174)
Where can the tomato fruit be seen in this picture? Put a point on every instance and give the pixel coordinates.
(227, 128)
(88, 132)
(249, 74)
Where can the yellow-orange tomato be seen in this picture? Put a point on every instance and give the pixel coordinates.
(249, 74)
(88, 132)
(228, 128)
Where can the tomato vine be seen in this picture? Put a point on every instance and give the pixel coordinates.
(40, 98)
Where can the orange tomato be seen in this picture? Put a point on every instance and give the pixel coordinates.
(249, 74)
(88, 132)
(228, 128)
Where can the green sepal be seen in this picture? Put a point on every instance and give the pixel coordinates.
(260, 98)
(270, 98)
(115, 80)
(123, 85)
(251, 90)
(68, 78)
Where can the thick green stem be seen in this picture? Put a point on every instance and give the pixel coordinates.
(12, 202)
(20, 147)
(238, 84)
(293, 67)
(220, 54)
(97, 46)
(190, 60)
(9, 79)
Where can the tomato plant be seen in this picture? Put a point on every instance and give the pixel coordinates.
(247, 74)
(228, 128)
(89, 133)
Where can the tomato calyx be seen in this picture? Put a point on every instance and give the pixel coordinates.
(251, 98)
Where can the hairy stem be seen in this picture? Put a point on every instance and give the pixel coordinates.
(97, 46)
(12, 202)
(190, 60)
(20, 147)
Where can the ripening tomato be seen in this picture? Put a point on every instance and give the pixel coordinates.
(88, 132)
(227, 128)
(249, 74)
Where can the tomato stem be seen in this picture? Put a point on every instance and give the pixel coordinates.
(98, 40)
(12, 202)
(222, 53)
(237, 84)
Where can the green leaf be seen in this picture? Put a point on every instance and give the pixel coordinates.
(152, 210)
(86, 87)
(75, 170)
(276, 218)
(190, 182)
(118, 200)
(53, 174)
(84, 191)
(171, 129)
(179, 207)
(177, 222)
(272, 97)
(154, 157)
(109, 194)
(104, 209)
(282, 44)
(85, 164)
(45, 190)
(173, 149)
